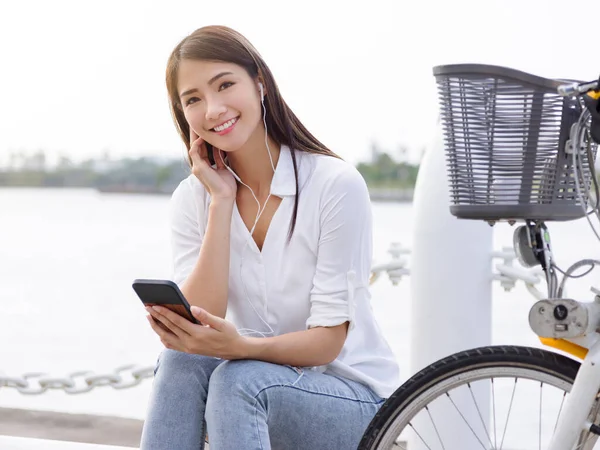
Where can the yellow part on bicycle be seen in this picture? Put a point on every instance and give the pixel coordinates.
(594, 94)
(566, 346)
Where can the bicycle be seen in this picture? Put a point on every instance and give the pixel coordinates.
(519, 148)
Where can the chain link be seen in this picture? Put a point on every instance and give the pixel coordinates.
(79, 382)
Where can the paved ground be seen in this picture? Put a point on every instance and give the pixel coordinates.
(70, 427)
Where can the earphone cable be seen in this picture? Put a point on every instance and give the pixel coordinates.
(247, 331)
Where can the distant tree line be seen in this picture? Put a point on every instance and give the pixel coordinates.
(383, 171)
(154, 175)
(128, 174)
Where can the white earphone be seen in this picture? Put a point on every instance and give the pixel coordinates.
(262, 96)
(231, 171)
(261, 209)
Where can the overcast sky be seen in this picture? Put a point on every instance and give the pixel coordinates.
(80, 77)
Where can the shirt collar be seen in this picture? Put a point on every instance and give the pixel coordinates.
(284, 182)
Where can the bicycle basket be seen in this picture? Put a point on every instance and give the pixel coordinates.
(505, 135)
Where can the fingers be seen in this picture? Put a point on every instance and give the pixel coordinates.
(172, 321)
(195, 152)
(193, 136)
(166, 337)
(198, 150)
(205, 318)
(218, 157)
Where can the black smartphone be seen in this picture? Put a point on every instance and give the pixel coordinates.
(163, 293)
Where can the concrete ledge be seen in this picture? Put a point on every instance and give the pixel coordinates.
(20, 443)
(115, 431)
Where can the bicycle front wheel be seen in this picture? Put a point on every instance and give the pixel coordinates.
(486, 398)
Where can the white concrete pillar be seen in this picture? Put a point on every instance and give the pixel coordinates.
(451, 282)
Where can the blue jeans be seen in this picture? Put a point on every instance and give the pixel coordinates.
(252, 405)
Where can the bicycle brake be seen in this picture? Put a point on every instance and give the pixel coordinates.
(592, 103)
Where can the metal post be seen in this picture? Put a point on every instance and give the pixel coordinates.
(451, 275)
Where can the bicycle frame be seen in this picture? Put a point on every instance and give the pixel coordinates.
(571, 326)
(573, 420)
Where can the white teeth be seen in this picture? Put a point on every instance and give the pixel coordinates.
(226, 125)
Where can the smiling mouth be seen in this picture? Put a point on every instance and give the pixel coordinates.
(226, 125)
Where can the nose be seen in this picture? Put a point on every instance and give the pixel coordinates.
(214, 109)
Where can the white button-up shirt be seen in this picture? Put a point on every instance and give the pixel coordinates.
(319, 278)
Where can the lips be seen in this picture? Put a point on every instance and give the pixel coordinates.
(225, 125)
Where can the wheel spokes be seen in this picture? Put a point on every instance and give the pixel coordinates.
(478, 419)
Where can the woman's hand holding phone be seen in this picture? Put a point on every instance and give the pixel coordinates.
(217, 337)
(219, 182)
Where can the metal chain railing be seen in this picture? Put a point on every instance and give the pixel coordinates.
(131, 375)
(396, 268)
(506, 272)
(78, 382)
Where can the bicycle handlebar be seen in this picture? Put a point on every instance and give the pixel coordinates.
(591, 93)
(578, 88)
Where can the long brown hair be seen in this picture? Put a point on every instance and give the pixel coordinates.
(219, 43)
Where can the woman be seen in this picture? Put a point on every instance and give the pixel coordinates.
(271, 237)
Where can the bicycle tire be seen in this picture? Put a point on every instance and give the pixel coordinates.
(544, 362)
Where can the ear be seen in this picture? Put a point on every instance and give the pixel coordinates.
(260, 80)
(262, 91)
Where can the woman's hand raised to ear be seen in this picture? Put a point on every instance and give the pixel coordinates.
(219, 182)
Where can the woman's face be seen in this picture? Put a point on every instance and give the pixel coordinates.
(220, 101)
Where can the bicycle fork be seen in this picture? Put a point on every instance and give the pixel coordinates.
(574, 418)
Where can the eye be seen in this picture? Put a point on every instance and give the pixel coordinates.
(191, 101)
(226, 85)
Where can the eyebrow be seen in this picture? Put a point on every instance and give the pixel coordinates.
(211, 81)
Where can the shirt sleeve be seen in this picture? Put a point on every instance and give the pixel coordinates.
(344, 252)
(187, 229)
